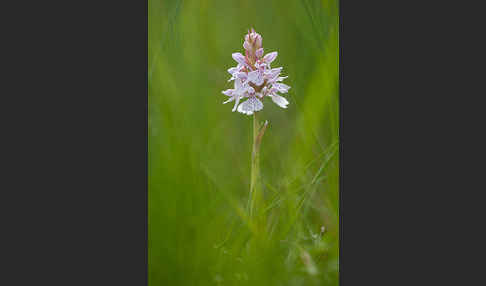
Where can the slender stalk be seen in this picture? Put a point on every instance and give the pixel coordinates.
(255, 191)
(255, 168)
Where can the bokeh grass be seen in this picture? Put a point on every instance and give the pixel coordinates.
(199, 151)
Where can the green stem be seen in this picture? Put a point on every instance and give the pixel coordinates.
(255, 168)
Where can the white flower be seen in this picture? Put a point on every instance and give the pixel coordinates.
(239, 58)
(253, 104)
(240, 90)
(233, 71)
(270, 57)
(281, 87)
(254, 78)
(280, 100)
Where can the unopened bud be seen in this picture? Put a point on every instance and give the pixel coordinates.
(258, 41)
(246, 45)
(259, 53)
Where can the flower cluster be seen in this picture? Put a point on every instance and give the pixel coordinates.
(254, 78)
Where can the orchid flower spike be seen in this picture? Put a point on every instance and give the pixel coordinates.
(254, 78)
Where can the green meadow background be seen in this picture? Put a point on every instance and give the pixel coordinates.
(199, 151)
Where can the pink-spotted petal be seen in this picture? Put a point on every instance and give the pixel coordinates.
(246, 45)
(229, 100)
(228, 92)
(280, 100)
(237, 101)
(259, 53)
(281, 87)
(239, 58)
(270, 57)
(256, 77)
(232, 70)
(250, 106)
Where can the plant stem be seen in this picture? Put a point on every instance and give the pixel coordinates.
(255, 168)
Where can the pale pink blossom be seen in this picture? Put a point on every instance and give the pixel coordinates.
(254, 78)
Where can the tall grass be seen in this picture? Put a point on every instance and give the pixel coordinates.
(200, 232)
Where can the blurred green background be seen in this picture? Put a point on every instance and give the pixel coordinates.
(199, 151)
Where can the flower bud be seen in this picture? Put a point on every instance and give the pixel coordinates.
(258, 41)
(246, 45)
(259, 53)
